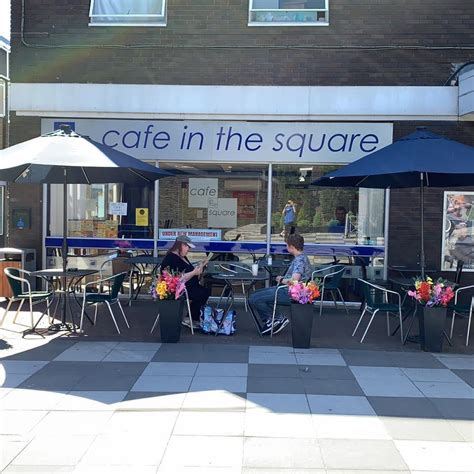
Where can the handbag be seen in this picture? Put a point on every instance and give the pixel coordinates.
(212, 323)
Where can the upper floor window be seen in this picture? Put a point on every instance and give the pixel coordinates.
(288, 12)
(128, 13)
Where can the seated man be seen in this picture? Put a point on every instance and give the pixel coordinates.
(262, 300)
(338, 225)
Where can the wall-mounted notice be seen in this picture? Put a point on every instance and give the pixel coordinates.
(118, 208)
(200, 190)
(141, 216)
(224, 215)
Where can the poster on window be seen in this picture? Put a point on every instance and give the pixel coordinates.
(223, 215)
(458, 231)
(246, 204)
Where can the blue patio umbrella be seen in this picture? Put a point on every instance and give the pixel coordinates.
(417, 160)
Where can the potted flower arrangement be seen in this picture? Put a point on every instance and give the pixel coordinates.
(432, 297)
(302, 296)
(167, 289)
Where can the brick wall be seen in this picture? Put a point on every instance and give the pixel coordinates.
(209, 42)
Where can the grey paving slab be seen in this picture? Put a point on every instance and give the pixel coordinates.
(9, 450)
(431, 375)
(349, 427)
(179, 353)
(226, 451)
(210, 423)
(39, 452)
(332, 387)
(376, 372)
(159, 423)
(274, 370)
(420, 429)
(466, 375)
(398, 386)
(64, 382)
(19, 422)
(12, 380)
(276, 357)
(138, 346)
(162, 383)
(87, 351)
(214, 401)
(90, 400)
(277, 403)
(320, 359)
(230, 384)
(325, 372)
(465, 428)
(437, 455)
(274, 385)
(171, 368)
(292, 470)
(44, 352)
(113, 382)
(59, 423)
(120, 368)
(404, 407)
(151, 401)
(279, 425)
(116, 450)
(452, 361)
(361, 454)
(282, 453)
(22, 366)
(221, 369)
(126, 355)
(45, 468)
(78, 368)
(455, 408)
(340, 405)
(445, 389)
(414, 360)
(367, 358)
(24, 399)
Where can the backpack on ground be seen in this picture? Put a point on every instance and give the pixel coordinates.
(211, 321)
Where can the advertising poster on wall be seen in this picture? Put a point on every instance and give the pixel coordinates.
(458, 238)
(246, 205)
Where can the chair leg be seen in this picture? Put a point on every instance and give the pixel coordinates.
(112, 315)
(83, 310)
(334, 299)
(189, 316)
(388, 323)
(155, 323)
(123, 314)
(368, 325)
(452, 324)
(10, 301)
(32, 321)
(343, 301)
(360, 320)
(469, 322)
(273, 314)
(95, 313)
(401, 324)
(322, 299)
(18, 310)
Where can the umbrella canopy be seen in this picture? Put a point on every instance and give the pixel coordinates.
(417, 160)
(422, 155)
(48, 158)
(64, 157)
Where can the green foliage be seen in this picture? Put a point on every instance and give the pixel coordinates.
(317, 222)
(277, 219)
(304, 223)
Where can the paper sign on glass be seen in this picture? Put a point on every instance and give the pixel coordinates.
(118, 208)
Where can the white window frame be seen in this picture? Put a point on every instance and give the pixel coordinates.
(288, 23)
(161, 17)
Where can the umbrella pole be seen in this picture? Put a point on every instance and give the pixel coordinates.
(64, 250)
(422, 219)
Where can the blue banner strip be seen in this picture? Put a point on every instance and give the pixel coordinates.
(222, 246)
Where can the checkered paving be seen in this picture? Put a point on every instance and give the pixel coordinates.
(151, 407)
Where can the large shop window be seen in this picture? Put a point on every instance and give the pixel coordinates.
(103, 210)
(128, 13)
(216, 201)
(324, 215)
(288, 12)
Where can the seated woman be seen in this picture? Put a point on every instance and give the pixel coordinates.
(176, 260)
(262, 300)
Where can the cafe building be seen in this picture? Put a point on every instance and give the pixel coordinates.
(241, 141)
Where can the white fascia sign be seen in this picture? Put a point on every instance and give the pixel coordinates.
(234, 142)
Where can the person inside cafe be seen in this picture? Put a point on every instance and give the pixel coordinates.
(289, 219)
(261, 301)
(338, 224)
(176, 260)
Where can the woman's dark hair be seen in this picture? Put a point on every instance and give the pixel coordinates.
(177, 246)
(296, 240)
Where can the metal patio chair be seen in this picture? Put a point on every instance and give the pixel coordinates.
(330, 280)
(459, 308)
